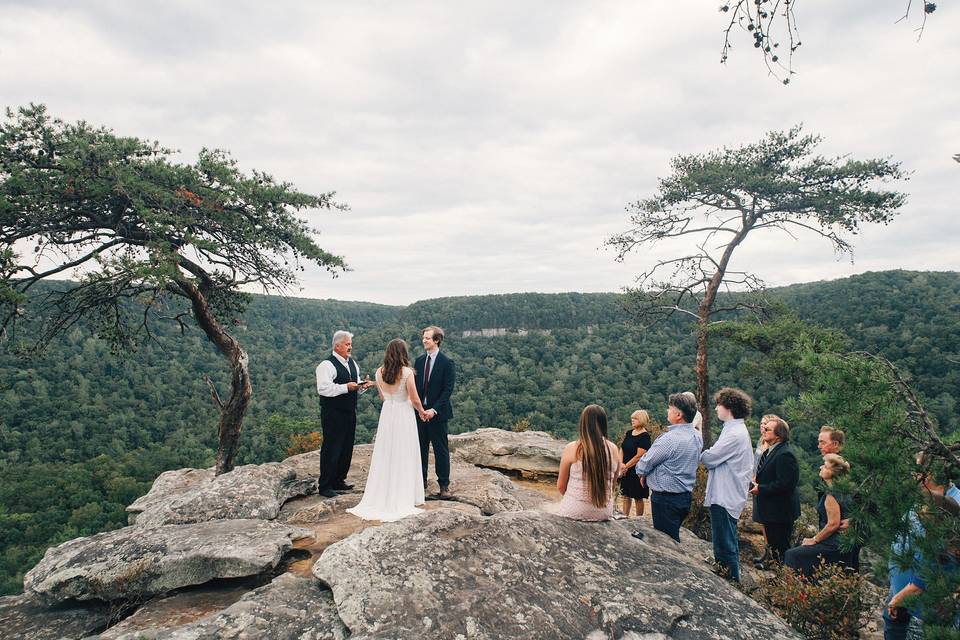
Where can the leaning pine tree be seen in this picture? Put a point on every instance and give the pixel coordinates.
(711, 203)
(141, 235)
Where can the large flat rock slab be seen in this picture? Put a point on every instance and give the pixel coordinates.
(488, 490)
(134, 563)
(289, 608)
(530, 453)
(24, 618)
(253, 491)
(447, 574)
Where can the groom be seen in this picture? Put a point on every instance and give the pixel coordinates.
(435, 380)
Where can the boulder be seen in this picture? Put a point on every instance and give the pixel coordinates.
(134, 563)
(528, 453)
(24, 618)
(289, 608)
(447, 574)
(185, 496)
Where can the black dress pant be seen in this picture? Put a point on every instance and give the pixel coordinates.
(778, 538)
(435, 432)
(336, 451)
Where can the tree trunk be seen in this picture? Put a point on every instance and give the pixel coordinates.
(232, 412)
(703, 381)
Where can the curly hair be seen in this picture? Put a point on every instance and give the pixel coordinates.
(736, 401)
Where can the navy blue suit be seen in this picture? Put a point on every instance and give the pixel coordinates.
(437, 397)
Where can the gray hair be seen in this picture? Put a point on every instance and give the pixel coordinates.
(682, 403)
(697, 419)
(340, 336)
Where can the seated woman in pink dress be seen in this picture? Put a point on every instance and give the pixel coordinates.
(588, 470)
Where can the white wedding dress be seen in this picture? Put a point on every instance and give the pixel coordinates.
(395, 481)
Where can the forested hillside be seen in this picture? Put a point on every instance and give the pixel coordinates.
(83, 432)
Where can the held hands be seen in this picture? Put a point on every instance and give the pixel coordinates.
(428, 414)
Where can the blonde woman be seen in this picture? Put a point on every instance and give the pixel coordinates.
(825, 544)
(633, 445)
(588, 468)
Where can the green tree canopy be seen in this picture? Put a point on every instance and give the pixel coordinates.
(135, 226)
(712, 202)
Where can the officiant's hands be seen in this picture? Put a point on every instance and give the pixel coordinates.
(362, 385)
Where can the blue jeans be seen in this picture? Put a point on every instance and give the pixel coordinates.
(726, 543)
(669, 511)
(908, 628)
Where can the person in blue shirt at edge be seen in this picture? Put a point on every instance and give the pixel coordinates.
(730, 463)
(901, 620)
(670, 467)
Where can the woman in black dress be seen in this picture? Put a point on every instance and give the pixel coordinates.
(832, 508)
(633, 445)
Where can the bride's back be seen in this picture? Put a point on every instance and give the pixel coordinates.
(397, 392)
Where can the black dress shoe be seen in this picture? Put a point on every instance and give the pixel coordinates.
(638, 535)
(329, 493)
(343, 487)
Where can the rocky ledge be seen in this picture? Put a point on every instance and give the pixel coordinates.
(528, 453)
(493, 564)
(135, 562)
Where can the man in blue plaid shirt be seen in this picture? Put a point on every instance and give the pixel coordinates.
(670, 466)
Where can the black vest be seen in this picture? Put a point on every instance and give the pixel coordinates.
(345, 401)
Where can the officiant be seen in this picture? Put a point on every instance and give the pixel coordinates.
(339, 385)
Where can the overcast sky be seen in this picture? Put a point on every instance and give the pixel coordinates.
(491, 147)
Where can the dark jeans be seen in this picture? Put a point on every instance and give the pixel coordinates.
(807, 559)
(778, 536)
(336, 451)
(435, 432)
(906, 628)
(669, 511)
(726, 544)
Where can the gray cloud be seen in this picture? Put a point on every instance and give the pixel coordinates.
(492, 148)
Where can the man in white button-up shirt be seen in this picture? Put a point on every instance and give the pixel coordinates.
(730, 463)
(339, 384)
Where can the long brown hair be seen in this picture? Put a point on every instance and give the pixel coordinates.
(594, 454)
(394, 360)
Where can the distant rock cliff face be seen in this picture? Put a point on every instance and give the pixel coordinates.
(257, 554)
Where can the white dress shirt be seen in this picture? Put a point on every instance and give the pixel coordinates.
(326, 373)
(731, 463)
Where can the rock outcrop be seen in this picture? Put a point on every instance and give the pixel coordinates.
(528, 452)
(24, 618)
(531, 575)
(136, 563)
(257, 491)
(492, 564)
(289, 608)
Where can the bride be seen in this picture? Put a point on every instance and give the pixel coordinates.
(395, 481)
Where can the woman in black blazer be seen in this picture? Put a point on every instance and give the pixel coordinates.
(776, 501)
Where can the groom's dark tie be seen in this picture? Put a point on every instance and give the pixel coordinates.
(426, 378)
